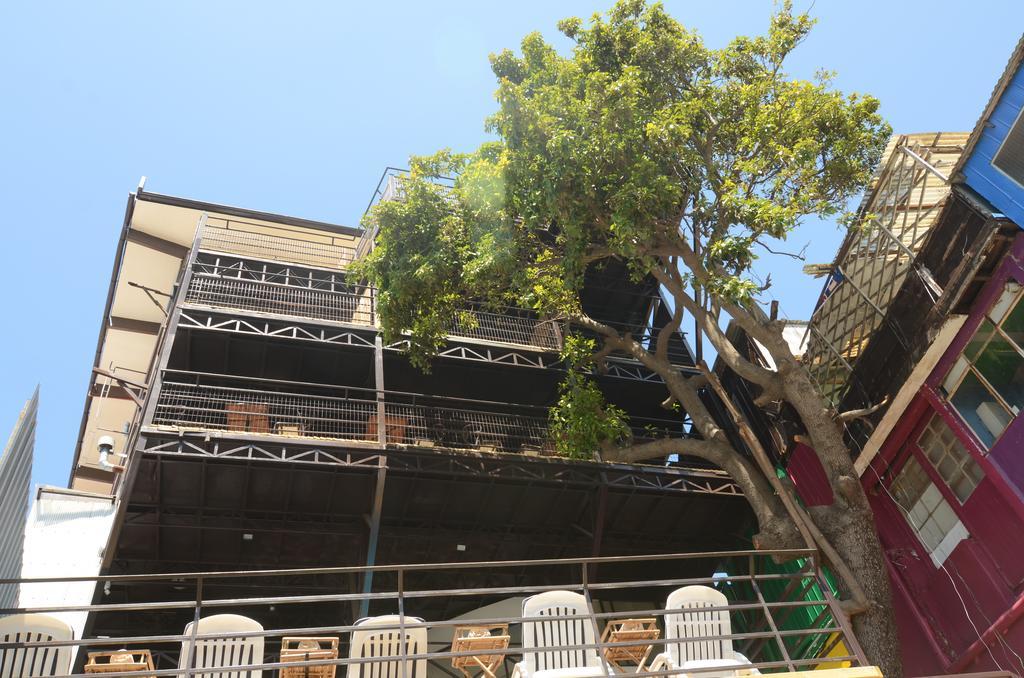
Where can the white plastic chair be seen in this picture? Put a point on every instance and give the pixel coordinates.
(240, 650)
(682, 653)
(540, 633)
(376, 642)
(34, 661)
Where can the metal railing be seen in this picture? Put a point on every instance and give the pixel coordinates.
(279, 243)
(320, 295)
(190, 400)
(343, 304)
(161, 603)
(507, 326)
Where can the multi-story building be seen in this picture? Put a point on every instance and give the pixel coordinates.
(247, 415)
(251, 445)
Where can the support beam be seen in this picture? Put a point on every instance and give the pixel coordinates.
(117, 322)
(159, 244)
(378, 375)
(599, 520)
(371, 549)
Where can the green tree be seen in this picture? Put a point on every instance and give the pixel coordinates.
(645, 146)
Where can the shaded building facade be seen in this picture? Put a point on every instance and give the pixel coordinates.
(246, 413)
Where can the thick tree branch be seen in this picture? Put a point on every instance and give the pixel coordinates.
(705, 449)
(777, 530)
(766, 379)
(803, 521)
(665, 335)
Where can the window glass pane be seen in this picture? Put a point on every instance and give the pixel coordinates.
(955, 373)
(1007, 299)
(944, 517)
(909, 485)
(931, 498)
(950, 458)
(930, 535)
(928, 513)
(963, 487)
(980, 409)
(1002, 365)
(1013, 325)
(977, 475)
(977, 342)
(947, 467)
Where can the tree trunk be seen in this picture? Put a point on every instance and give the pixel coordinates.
(852, 533)
(848, 523)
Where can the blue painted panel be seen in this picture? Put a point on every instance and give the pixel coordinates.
(1006, 195)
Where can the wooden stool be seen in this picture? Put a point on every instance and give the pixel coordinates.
(119, 661)
(303, 649)
(479, 639)
(625, 630)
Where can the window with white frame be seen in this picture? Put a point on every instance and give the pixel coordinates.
(931, 517)
(950, 458)
(986, 384)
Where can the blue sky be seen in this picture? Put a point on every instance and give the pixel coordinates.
(298, 107)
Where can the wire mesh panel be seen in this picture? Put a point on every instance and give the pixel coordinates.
(901, 207)
(349, 306)
(510, 326)
(432, 422)
(301, 246)
(242, 410)
(353, 414)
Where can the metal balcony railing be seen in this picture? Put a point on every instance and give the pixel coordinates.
(351, 305)
(285, 293)
(749, 618)
(279, 243)
(508, 326)
(190, 400)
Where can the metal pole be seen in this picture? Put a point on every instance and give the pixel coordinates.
(593, 623)
(402, 638)
(195, 627)
(852, 644)
(768, 616)
(371, 550)
(378, 373)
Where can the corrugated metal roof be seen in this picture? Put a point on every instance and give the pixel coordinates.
(1016, 59)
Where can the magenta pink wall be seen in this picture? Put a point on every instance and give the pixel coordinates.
(808, 476)
(942, 612)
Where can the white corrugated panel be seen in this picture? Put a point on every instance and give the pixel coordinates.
(15, 475)
(64, 537)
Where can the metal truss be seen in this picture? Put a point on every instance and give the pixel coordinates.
(488, 354)
(503, 356)
(194, 317)
(447, 463)
(156, 442)
(637, 372)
